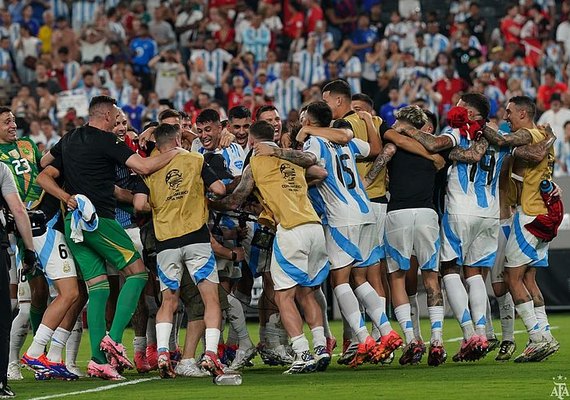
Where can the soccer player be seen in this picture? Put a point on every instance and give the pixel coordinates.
(10, 197)
(412, 229)
(22, 157)
(470, 225)
(88, 156)
(299, 261)
(524, 251)
(338, 96)
(349, 224)
(239, 121)
(176, 193)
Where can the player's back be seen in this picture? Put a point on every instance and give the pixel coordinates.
(341, 195)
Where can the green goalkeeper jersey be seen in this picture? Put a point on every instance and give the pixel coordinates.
(23, 158)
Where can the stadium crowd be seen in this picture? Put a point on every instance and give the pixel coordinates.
(314, 128)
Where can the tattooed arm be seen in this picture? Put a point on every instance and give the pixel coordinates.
(432, 143)
(236, 199)
(413, 146)
(300, 158)
(470, 155)
(380, 162)
(518, 138)
(535, 153)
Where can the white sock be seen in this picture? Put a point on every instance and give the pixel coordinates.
(14, 304)
(163, 332)
(139, 343)
(436, 319)
(478, 302)
(212, 339)
(375, 307)
(415, 310)
(349, 308)
(526, 312)
(403, 315)
(19, 331)
(489, 329)
(300, 344)
(507, 314)
(322, 300)
(238, 324)
(58, 341)
(41, 339)
(543, 324)
(272, 338)
(319, 336)
(151, 321)
(74, 341)
(459, 303)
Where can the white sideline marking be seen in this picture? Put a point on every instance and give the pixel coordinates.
(458, 339)
(97, 389)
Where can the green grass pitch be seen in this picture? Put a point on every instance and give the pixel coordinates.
(486, 379)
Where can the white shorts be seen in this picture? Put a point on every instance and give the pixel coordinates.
(12, 252)
(469, 239)
(354, 244)
(135, 235)
(197, 258)
(523, 248)
(258, 260)
(299, 257)
(498, 271)
(24, 291)
(412, 231)
(55, 258)
(380, 213)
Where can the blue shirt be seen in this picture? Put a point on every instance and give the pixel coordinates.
(143, 50)
(135, 115)
(388, 111)
(360, 36)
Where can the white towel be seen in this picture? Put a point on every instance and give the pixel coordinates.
(83, 218)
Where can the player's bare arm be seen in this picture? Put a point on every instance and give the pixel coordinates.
(535, 153)
(239, 195)
(46, 179)
(298, 157)
(432, 143)
(379, 163)
(315, 174)
(413, 146)
(472, 154)
(518, 138)
(335, 135)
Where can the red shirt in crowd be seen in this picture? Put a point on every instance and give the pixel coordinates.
(314, 15)
(294, 25)
(234, 99)
(545, 92)
(447, 88)
(507, 23)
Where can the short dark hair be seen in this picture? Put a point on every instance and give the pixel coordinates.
(432, 119)
(363, 97)
(4, 109)
(265, 108)
(525, 103)
(168, 113)
(239, 112)
(88, 73)
(165, 133)
(479, 102)
(101, 101)
(320, 113)
(338, 86)
(208, 115)
(262, 130)
(566, 124)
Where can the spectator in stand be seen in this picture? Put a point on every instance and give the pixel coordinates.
(119, 88)
(364, 37)
(45, 32)
(314, 14)
(83, 13)
(28, 49)
(201, 77)
(387, 111)
(549, 87)
(477, 24)
(7, 74)
(186, 25)
(396, 29)
(49, 132)
(466, 57)
(64, 36)
(373, 63)
(27, 20)
(89, 85)
(167, 66)
(93, 44)
(36, 135)
(135, 110)
(43, 75)
(214, 60)
(530, 35)
(161, 31)
(382, 92)
(115, 27)
(352, 67)
(225, 37)
(116, 55)
(562, 166)
(143, 48)
(341, 16)
(286, 91)
(563, 30)
(235, 92)
(434, 39)
(71, 69)
(556, 116)
(447, 87)
(256, 39)
(510, 27)
(311, 64)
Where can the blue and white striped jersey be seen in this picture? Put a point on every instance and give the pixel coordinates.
(233, 155)
(214, 62)
(340, 199)
(5, 61)
(287, 94)
(83, 13)
(311, 67)
(472, 189)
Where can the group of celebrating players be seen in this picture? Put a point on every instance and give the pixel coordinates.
(212, 206)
